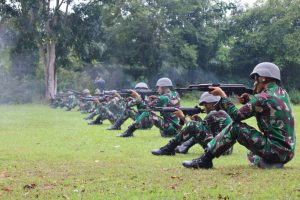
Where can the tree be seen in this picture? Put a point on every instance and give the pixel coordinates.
(41, 21)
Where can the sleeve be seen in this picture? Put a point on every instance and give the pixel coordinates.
(162, 101)
(245, 112)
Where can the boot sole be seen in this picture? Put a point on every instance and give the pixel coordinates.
(157, 154)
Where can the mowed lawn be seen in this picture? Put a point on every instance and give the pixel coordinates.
(53, 154)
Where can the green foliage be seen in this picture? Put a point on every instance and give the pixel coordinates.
(74, 80)
(295, 96)
(269, 32)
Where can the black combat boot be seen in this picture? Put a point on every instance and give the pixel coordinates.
(168, 149)
(98, 120)
(184, 147)
(116, 125)
(264, 164)
(91, 116)
(204, 161)
(129, 131)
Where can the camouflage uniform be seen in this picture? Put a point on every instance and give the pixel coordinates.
(111, 110)
(169, 124)
(276, 141)
(86, 106)
(129, 112)
(72, 102)
(205, 130)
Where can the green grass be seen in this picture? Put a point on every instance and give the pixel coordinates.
(67, 159)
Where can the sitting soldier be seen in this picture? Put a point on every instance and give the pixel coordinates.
(197, 130)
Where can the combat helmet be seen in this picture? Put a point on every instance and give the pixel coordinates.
(164, 82)
(97, 92)
(206, 97)
(70, 93)
(266, 69)
(141, 85)
(86, 91)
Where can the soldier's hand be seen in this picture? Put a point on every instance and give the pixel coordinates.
(116, 94)
(196, 118)
(134, 94)
(179, 113)
(244, 98)
(128, 98)
(217, 91)
(152, 97)
(96, 101)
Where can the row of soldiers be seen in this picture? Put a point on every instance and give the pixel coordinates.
(271, 146)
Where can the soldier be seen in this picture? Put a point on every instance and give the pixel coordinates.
(86, 106)
(110, 110)
(197, 130)
(97, 105)
(146, 123)
(274, 144)
(58, 99)
(72, 101)
(169, 123)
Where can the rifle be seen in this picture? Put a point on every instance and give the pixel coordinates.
(76, 92)
(185, 110)
(100, 98)
(229, 89)
(127, 92)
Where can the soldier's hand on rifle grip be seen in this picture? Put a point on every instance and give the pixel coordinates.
(152, 97)
(196, 118)
(179, 113)
(217, 91)
(135, 94)
(96, 101)
(244, 98)
(116, 94)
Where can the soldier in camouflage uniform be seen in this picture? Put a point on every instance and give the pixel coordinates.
(274, 144)
(97, 104)
(58, 100)
(86, 106)
(197, 130)
(129, 112)
(72, 101)
(111, 110)
(169, 123)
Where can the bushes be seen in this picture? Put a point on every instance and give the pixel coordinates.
(295, 96)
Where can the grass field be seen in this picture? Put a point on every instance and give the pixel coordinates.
(52, 154)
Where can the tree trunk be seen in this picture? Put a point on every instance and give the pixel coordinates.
(48, 56)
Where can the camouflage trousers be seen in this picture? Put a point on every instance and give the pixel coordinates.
(167, 129)
(86, 107)
(259, 145)
(197, 130)
(72, 104)
(145, 123)
(105, 113)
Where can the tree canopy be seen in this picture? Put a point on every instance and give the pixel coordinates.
(190, 41)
